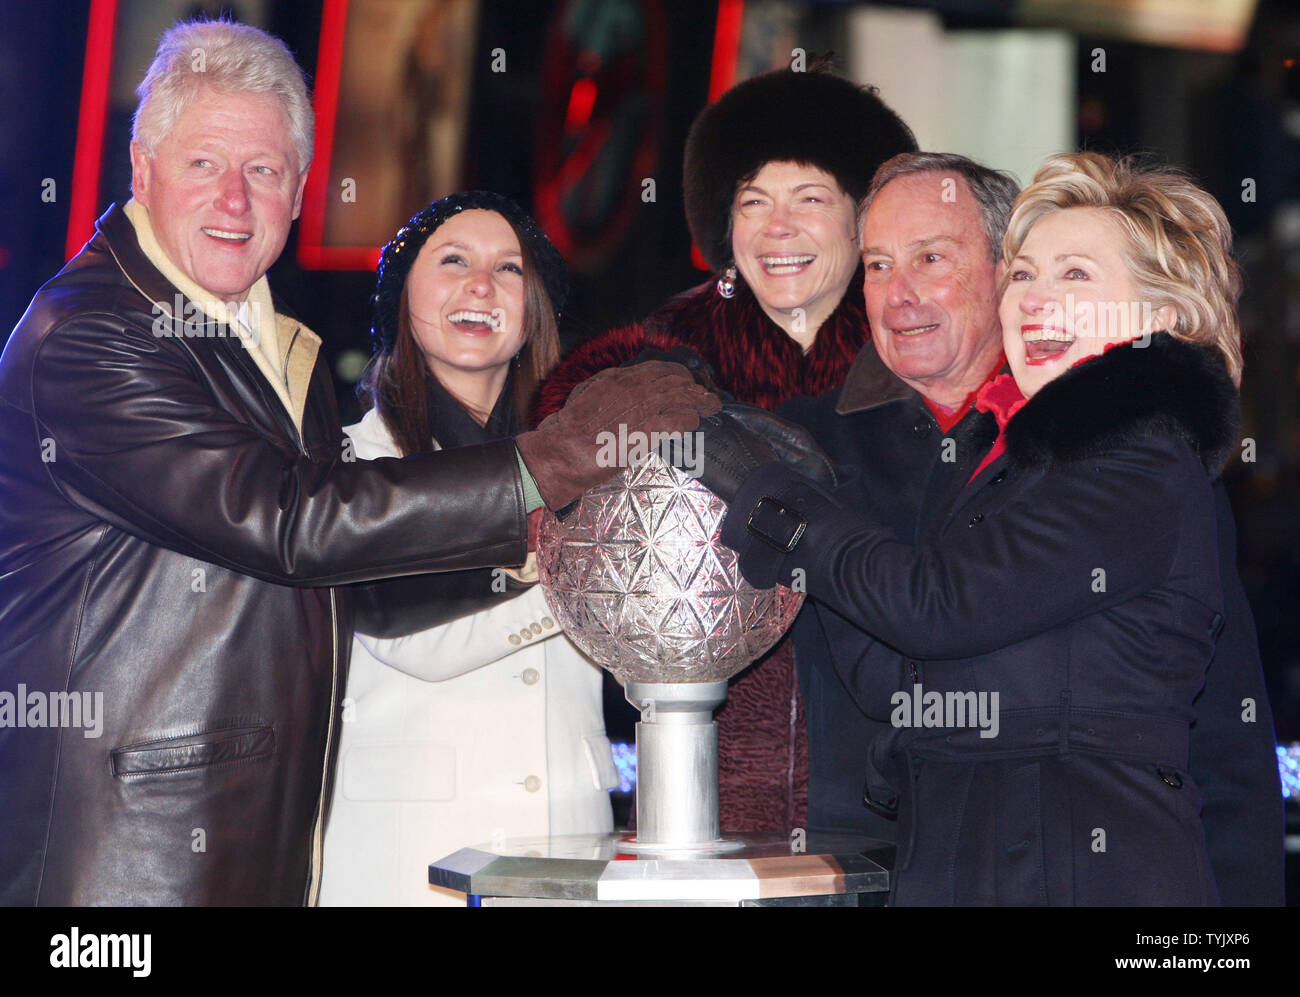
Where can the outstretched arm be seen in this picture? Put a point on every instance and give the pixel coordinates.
(1029, 567)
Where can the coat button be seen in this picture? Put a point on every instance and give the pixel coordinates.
(515, 639)
(999, 477)
(536, 628)
(923, 427)
(532, 784)
(1170, 778)
(547, 622)
(530, 676)
(526, 634)
(977, 518)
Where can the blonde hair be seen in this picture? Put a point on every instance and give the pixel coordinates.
(1179, 241)
(230, 58)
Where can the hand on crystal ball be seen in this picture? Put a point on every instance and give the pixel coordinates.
(637, 577)
(650, 399)
(742, 438)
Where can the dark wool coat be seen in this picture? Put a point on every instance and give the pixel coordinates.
(1076, 577)
(763, 752)
(881, 427)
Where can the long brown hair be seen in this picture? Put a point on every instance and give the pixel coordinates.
(395, 380)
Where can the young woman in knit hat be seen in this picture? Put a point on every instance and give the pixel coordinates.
(487, 723)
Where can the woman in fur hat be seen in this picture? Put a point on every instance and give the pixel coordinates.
(773, 174)
(1058, 629)
(489, 725)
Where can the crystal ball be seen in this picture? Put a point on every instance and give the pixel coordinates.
(639, 580)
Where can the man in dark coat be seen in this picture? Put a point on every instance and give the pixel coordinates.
(903, 419)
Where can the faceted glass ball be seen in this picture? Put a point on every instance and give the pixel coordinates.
(637, 577)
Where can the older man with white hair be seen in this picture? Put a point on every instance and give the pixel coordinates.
(177, 507)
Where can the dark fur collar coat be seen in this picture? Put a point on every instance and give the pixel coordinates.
(1078, 580)
(1168, 388)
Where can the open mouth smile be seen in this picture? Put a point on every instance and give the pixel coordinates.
(218, 233)
(472, 320)
(1044, 343)
(915, 330)
(780, 266)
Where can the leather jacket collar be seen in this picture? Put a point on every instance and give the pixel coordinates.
(119, 234)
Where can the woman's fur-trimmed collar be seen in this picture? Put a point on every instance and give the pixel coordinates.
(750, 355)
(1168, 387)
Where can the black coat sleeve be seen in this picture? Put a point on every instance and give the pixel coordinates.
(968, 596)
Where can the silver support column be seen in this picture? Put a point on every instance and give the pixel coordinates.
(677, 766)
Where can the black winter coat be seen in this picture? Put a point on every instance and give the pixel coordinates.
(882, 427)
(1077, 578)
(884, 430)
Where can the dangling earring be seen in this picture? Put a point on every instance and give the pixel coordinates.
(727, 283)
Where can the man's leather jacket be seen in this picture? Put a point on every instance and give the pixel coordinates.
(173, 649)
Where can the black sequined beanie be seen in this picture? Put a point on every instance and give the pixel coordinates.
(399, 255)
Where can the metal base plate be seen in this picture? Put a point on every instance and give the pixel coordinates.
(702, 849)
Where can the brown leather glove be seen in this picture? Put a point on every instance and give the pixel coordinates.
(655, 397)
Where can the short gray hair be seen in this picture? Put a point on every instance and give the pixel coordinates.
(228, 57)
(994, 190)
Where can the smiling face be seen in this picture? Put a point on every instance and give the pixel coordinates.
(1069, 294)
(222, 189)
(465, 300)
(793, 242)
(931, 286)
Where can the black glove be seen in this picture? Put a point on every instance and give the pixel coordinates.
(793, 444)
(742, 438)
(730, 454)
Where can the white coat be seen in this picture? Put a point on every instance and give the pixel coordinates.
(485, 728)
